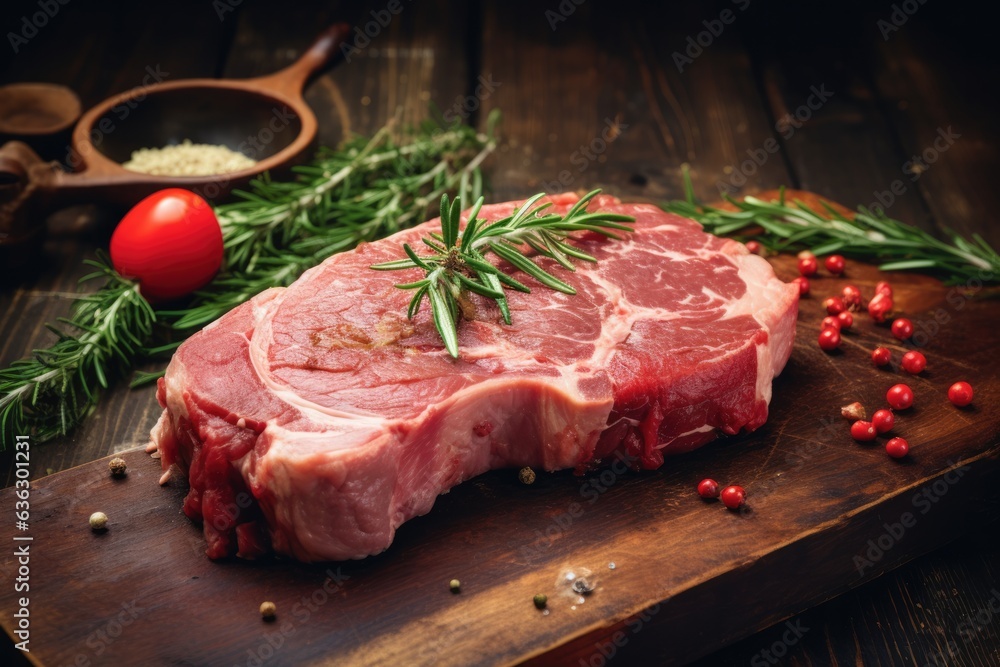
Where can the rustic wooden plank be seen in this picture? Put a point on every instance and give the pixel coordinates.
(846, 150)
(846, 146)
(816, 498)
(605, 66)
(933, 106)
(935, 610)
(395, 67)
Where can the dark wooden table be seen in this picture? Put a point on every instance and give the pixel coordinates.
(616, 95)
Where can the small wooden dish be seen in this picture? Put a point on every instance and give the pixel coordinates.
(29, 110)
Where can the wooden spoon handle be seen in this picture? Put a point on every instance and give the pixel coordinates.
(22, 173)
(30, 187)
(320, 56)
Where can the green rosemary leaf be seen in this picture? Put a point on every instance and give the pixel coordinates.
(479, 288)
(470, 231)
(417, 300)
(395, 265)
(444, 319)
(521, 262)
(908, 264)
(415, 258)
(433, 244)
(142, 378)
(575, 253)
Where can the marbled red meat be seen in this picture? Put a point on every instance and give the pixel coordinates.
(316, 419)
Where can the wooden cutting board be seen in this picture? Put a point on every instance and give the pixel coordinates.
(824, 514)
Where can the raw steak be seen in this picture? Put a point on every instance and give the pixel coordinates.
(316, 419)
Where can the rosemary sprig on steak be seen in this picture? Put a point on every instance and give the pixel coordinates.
(785, 226)
(364, 190)
(459, 265)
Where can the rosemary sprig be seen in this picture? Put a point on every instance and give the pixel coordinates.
(52, 391)
(459, 266)
(790, 226)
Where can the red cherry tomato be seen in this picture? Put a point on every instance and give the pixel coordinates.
(170, 242)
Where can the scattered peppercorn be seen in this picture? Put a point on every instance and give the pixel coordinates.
(117, 466)
(881, 356)
(902, 328)
(808, 266)
(863, 431)
(540, 601)
(830, 322)
(455, 586)
(803, 284)
(851, 296)
(846, 320)
(526, 475)
(960, 394)
(754, 247)
(268, 610)
(733, 497)
(883, 287)
(834, 305)
(834, 264)
(899, 396)
(829, 339)
(880, 306)
(914, 362)
(897, 448)
(708, 488)
(883, 420)
(98, 521)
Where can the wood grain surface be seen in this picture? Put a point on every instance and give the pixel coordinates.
(557, 88)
